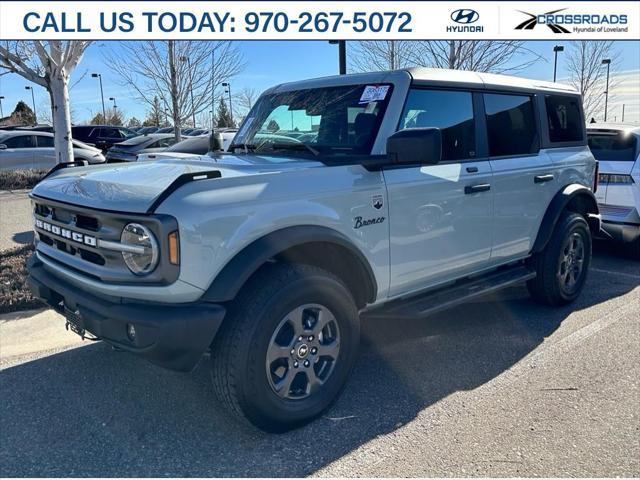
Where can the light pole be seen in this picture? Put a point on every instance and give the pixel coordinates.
(623, 113)
(104, 114)
(193, 105)
(1, 112)
(342, 55)
(556, 49)
(113, 99)
(213, 88)
(228, 90)
(33, 102)
(607, 62)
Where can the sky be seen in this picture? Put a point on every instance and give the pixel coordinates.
(272, 62)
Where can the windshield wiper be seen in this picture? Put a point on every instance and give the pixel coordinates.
(245, 146)
(295, 146)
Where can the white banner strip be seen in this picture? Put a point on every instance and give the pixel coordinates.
(318, 20)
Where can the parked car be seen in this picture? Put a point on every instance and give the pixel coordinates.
(617, 148)
(128, 150)
(20, 149)
(422, 189)
(147, 130)
(189, 147)
(102, 136)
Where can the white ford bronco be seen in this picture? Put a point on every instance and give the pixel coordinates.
(391, 194)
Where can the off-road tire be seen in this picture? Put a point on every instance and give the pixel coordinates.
(239, 350)
(547, 287)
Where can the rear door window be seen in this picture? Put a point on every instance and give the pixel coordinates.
(564, 119)
(511, 125)
(44, 142)
(616, 147)
(451, 112)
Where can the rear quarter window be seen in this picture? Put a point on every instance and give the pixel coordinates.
(615, 146)
(564, 119)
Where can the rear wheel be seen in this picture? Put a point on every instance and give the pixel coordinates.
(563, 265)
(286, 347)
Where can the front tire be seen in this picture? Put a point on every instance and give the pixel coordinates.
(287, 346)
(563, 265)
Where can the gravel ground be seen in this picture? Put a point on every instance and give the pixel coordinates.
(16, 221)
(501, 387)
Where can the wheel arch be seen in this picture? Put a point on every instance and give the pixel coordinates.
(574, 198)
(312, 245)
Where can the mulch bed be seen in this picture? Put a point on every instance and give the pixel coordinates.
(14, 292)
(20, 179)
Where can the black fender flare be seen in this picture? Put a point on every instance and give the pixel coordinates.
(578, 198)
(245, 263)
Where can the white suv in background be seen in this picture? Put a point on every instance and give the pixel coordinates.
(617, 148)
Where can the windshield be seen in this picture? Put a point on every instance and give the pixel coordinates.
(612, 146)
(330, 121)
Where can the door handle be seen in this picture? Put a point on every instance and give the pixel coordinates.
(542, 178)
(472, 169)
(482, 187)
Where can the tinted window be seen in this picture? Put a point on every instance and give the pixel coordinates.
(511, 125)
(22, 141)
(565, 120)
(199, 145)
(44, 142)
(451, 112)
(613, 146)
(110, 133)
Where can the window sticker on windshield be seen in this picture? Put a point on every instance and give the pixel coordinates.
(374, 93)
(245, 127)
(371, 107)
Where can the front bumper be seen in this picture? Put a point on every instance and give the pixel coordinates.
(174, 336)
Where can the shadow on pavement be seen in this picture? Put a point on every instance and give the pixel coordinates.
(23, 238)
(92, 411)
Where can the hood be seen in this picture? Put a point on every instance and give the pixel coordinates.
(133, 187)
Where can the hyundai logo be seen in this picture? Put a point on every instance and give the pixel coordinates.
(465, 15)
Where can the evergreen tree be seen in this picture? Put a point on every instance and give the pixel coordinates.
(22, 115)
(154, 116)
(224, 116)
(134, 123)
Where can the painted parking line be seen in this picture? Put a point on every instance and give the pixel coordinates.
(613, 272)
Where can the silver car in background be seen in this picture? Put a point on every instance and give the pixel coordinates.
(617, 148)
(24, 149)
(129, 150)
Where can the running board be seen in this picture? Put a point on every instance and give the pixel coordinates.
(450, 296)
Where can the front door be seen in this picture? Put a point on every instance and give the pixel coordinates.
(440, 215)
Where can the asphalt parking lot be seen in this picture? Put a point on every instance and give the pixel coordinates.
(501, 387)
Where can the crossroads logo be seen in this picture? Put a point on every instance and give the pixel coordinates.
(464, 17)
(575, 22)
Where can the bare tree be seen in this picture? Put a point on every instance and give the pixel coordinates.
(366, 56)
(182, 74)
(48, 64)
(246, 98)
(495, 56)
(588, 75)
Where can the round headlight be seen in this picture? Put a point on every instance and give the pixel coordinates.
(143, 257)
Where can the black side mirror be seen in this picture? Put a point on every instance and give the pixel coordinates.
(215, 142)
(415, 146)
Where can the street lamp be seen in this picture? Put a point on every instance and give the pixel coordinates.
(228, 90)
(1, 112)
(193, 105)
(556, 49)
(342, 54)
(33, 102)
(113, 99)
(104, 114)
(607, 62)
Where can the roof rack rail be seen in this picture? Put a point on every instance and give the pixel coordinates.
(60, 166)
(180, 181)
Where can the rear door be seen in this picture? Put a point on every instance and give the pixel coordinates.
(440, 215)
(45, 155)
(523, 177)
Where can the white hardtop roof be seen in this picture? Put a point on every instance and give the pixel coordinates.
(433, 76)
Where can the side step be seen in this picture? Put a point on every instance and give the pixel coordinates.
(450, 296)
